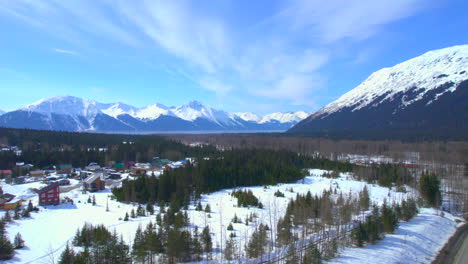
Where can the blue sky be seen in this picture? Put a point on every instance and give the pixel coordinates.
(236, 55)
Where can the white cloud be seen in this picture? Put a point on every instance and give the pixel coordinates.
(66, 51)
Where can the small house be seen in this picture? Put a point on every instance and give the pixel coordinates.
(115, 176)
(9, 201)
(5, 173)
(63, 182)
(158, 162)
(94, 183)
(136, 171)
(27, 166)
(37, 173)
(118, 166)
(64, 169)
(48, 169)
(49, 194)
(129, 164)
(93, 166)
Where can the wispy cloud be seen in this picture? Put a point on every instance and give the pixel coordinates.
(280, 56)
(335, 20)
(66, 51)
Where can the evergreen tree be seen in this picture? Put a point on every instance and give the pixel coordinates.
(257, 243)
(132, 213)
(94, 199)
(364, 199)
(7, 217)
(30, 206)
(429, 187)
(126, 217)
(25, 213)
(291, 257)
(18, 242)
(140, 211)
(230, 249)
(150, 208)
(67, 256)
(284, 234)
(312, 256)
(199, 206)
(17, 214)
(6, 248)
(197, 245)
(138, 248)
(331, 249)
(373, 226)
(206, 240)
(358, 235)
(389, 219)
(207, 208)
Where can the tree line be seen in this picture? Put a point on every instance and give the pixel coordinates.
(220, 170)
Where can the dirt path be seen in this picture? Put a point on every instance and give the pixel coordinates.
(456, 249)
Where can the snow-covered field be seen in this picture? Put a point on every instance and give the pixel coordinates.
(47, 231)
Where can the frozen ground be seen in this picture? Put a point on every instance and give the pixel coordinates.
(47, 231)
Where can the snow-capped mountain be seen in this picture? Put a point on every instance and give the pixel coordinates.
(64, 105)
(76, 114)
(426, 92)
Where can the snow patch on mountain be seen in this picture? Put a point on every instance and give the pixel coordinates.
(195, 110)
(151, 112)
(248, 116)
(286, 117)
(426, 72)
(117, 109)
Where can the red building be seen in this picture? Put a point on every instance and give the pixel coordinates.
(49, 194)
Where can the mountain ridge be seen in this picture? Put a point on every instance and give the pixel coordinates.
(428, 92)
(77, 114)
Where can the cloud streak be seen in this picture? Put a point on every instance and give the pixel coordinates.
(66, 51)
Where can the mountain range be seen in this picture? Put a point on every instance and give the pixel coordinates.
(426, 95)
(69, 113)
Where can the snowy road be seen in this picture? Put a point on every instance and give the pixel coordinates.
(462, 254)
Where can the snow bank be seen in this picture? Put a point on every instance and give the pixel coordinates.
(416, 241)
